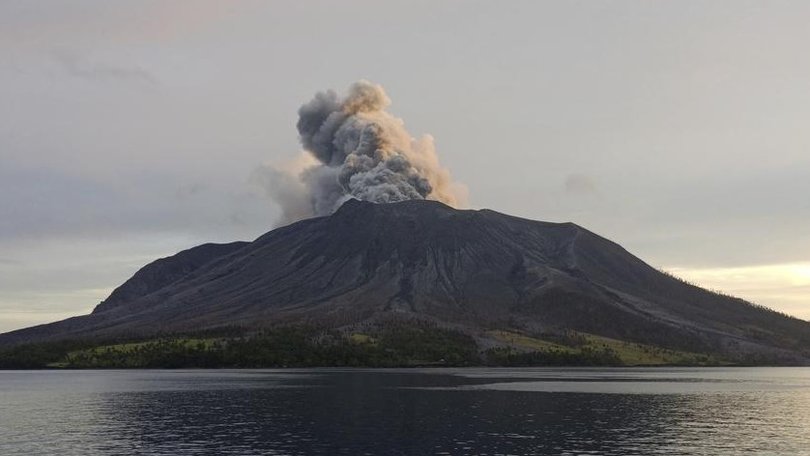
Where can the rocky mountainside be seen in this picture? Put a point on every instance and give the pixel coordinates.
(165, 271)
(470, 270)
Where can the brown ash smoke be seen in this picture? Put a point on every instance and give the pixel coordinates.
(360, 151)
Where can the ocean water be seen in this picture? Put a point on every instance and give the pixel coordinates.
(701, 411)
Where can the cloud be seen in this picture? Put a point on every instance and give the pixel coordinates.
(89, 23)
(281, 183)
(579, 185)
(79, 66)
(41, 202)
(783, 286)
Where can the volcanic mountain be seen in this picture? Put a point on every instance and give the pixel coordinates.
(474, 271)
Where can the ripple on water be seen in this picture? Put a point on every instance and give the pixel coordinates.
(411, 412)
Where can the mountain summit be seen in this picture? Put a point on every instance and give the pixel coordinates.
(473, 271)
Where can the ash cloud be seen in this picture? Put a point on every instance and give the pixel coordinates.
(579, 185)
(354, 148)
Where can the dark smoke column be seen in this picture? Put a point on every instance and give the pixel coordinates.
(364, 152)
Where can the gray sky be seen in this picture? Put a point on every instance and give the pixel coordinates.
(129, 130)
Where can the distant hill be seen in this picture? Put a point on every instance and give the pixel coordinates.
(505, 282)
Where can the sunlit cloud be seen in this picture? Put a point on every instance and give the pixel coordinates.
(783, 287)
(31, 307)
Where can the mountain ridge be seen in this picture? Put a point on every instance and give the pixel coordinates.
(470, 269)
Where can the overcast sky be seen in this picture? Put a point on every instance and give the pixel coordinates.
(129, 130)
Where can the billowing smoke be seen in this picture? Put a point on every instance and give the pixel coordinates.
(360, 151)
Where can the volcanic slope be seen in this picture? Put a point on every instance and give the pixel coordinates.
(475, 271)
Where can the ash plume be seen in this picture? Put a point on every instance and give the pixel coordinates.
(354, 148)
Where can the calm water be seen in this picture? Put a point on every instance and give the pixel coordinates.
(407, 412)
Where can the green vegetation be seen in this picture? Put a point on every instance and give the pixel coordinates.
(575, 348)
(391, 345)
(520, 340)
(635, 354)
(38, 355)
(359, 338)
(181, 352)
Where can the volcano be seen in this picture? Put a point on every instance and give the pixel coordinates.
(471, 270)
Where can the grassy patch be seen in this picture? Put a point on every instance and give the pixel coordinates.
(359, 338)
(523, 341)
(164, 352)
(635, 354)
(579, 348)
(134, 347)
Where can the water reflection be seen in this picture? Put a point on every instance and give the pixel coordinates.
(408, 413)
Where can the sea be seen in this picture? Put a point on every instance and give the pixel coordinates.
(465, 411)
